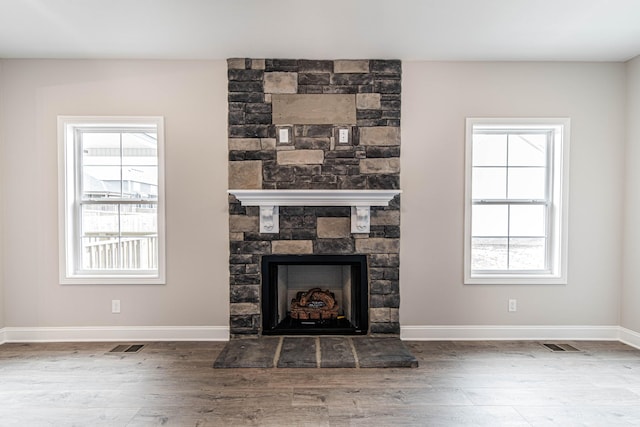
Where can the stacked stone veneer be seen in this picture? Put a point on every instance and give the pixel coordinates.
(259, 103)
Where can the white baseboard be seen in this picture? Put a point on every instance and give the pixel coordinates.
(630, 337)
(492, 333)
(129, 333)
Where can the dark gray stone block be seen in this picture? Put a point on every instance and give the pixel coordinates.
(385, 66)
(250, 248)
(281, 65)
(235, 86)
(298, 352)
(245, 97)
(245, 75)
(316, 66)
(314, 78)
(351, 79)
(334, 246)
(244, 293)
(336, 352)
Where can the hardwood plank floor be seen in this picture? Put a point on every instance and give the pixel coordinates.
(503, 383)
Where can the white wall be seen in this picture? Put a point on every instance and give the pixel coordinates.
(192, 96)
(631, 289)
(436, 99)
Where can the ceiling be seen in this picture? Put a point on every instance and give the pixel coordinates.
(459, 30)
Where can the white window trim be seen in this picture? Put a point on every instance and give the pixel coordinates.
(66, 201)
(559, 212)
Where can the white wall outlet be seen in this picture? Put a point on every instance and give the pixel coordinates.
(343, 136)
(283, 135)
(115, 306)
(513, 305)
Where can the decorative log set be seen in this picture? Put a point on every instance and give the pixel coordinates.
(315, 304)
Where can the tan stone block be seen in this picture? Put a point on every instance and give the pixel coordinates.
(378, 245)
(368, 101)
(381, 135)
(236, 237)
(244, 223)
(395, 315)
(244, 144)
(334, 228)
(244, 308)
(316, 109)
(245, 175)
(373, 166)
(257, 64)
(350, 66)
(301, 157)
(268, 143)
(385, 218)
(292, 247)
(236, 63)
(280, 82)
(380, 315)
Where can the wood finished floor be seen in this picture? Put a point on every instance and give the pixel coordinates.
(457, 384)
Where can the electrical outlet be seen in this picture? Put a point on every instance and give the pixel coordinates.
(513, 305)
(115, 306)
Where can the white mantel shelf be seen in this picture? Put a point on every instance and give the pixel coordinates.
(359, 200)
(314, 197)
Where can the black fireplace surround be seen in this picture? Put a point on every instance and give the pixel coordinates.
(315, 271)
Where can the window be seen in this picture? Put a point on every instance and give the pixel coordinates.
(516, 201)
(111, 191)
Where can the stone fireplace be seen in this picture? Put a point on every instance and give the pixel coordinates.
(314, 126)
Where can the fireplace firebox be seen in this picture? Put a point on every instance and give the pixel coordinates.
(314, 294)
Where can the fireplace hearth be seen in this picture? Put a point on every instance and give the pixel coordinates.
(314, 294)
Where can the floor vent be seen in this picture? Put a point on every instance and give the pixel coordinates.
(126, 348)
(560, 347)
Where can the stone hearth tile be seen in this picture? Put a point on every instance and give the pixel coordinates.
(336, 352)
(298, 352)
(383, 353)
(248, 353)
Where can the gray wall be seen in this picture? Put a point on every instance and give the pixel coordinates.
(192, 96)
(631, 289)
(437, 97)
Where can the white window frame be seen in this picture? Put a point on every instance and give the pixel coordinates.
(557, 226)
(68, 179)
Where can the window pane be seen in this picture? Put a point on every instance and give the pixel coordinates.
(100, 148)
(488, 254)
(101, 181)
(489, 149)
(139, 149)
(138, 219)
(139, 252)
(489, 183)
(100, 220)
(527, 221)
(527, 254)
(528, 150)
(527, 183)
(100, 253)
(140, 181)
(490, 220)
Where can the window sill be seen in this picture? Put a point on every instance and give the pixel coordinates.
(113, 280)
(515, 280)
